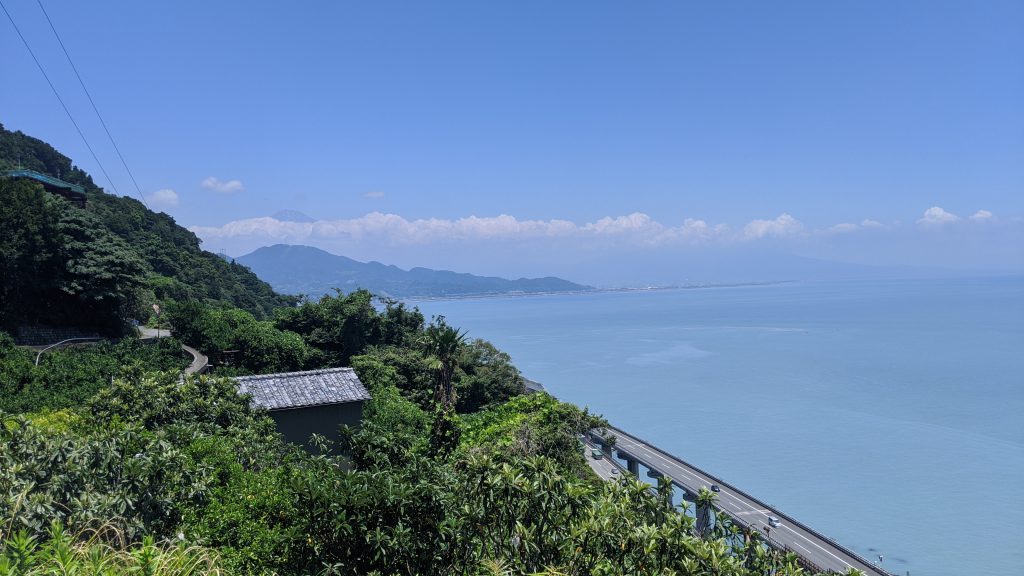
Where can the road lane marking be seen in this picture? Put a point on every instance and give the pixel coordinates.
(812, 543)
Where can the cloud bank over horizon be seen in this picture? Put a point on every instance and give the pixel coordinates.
(636, 227)
(440, 242)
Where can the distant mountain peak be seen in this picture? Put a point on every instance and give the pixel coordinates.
(291, 216)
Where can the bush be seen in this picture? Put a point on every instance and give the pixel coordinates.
(486, 377)
(162, 401)
(343, 326)
(259, 347)
(532, 425)
(128, 478)
(67, 378)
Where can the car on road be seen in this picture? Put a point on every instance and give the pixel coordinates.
(774, 522)
(597, 454)
(715, 488)
(615, 471)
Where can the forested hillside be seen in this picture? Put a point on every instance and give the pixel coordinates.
(62, 264)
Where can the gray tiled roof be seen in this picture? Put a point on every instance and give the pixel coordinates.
(298, 389)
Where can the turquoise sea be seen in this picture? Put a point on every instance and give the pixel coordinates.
(888, 415)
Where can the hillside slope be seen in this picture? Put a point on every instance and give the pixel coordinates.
(314, 272)
(169, 259)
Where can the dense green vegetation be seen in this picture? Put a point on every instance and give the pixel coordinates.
(188, 462)
(105, 263)
(69, 377)
(253, 346)
(341, 330)
(61, 265)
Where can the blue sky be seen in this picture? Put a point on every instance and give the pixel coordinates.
(532, 138)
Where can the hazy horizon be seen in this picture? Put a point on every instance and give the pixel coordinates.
(710, 269)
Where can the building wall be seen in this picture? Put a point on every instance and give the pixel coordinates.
(298, 424)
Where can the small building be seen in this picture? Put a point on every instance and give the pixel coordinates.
(310, 402)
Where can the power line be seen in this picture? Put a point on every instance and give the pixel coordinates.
(94, 108)
(59, 99)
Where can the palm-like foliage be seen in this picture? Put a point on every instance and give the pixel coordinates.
(442, 343)
(706, 500)
(665, 492)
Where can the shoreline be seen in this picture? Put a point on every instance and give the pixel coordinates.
(414, 299)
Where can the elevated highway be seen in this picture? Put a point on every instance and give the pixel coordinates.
(818, 551)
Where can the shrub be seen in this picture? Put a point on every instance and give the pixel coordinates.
(68, 378)
(60, 552)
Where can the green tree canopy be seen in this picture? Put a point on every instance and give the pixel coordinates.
(30, 242)
(61, 265)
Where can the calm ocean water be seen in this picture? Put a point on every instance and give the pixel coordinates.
(887, 415)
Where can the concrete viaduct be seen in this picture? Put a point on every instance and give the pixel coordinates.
(819, 552)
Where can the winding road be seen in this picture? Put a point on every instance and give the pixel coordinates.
(199, 360)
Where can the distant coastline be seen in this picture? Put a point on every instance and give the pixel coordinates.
(593, 291)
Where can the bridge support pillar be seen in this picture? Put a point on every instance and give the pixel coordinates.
(633, 466)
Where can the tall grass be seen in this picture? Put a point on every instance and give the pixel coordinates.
(100, 553)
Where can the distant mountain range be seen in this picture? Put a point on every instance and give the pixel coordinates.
(314, 272)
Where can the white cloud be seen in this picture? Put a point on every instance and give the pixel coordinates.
(850, 227)
(935, 216)
(635, 222)
(981, 216)
(784, 225)
(375, 194)
(698, 227)
(698, 230)
(218, 185)
(632, 229)
(165, 198)
(843, 228)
